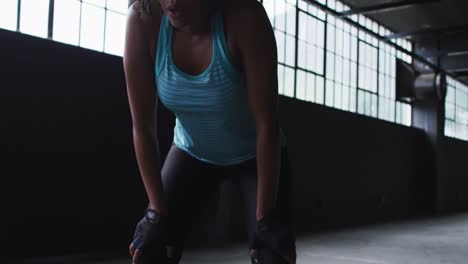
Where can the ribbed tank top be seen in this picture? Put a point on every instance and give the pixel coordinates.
(214, 122)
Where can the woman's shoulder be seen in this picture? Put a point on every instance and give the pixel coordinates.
(145, 18)
(240, 13)
(144, 13)
(241, 8)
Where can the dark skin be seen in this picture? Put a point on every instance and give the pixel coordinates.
(252, 46)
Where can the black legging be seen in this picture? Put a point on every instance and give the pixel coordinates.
(189, 182)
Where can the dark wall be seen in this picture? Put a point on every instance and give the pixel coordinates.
(457, 172)
(352, 169)
(70, 181)
(69, 178)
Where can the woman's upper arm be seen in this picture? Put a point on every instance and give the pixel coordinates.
(139, 74)
(257, 44)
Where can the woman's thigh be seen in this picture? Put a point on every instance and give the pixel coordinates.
(188, 183)
(247, 180)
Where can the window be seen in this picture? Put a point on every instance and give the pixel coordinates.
(341, 65)
(92, 27)
(34, 18)
(321, 59)
(120, 6)
(282, 14)
(92, 24)
(115, 33)
(456, 110)
(9, 14)
(67, 21)
(336, 64)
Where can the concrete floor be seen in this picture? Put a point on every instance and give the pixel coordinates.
(437, 240)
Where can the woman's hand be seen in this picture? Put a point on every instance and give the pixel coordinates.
(274, 241)
(150, 235)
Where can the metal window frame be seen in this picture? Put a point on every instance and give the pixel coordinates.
(322, 7)
(18, 17)
(50, 27)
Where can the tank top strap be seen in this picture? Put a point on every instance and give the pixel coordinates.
(222, 47)
(162, 45)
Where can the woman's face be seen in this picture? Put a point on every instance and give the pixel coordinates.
(183, 12)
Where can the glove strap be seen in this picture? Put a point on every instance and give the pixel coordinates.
(152, 216)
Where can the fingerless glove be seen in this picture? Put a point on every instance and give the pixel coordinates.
(273, 239)
(150, 235)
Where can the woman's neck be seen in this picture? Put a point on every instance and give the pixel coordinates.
(200, 25)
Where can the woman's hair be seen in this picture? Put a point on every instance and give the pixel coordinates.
(145, 6)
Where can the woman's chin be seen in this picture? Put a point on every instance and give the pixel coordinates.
(177, 23)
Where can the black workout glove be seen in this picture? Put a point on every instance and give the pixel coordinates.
(273, 240)
(150, 236)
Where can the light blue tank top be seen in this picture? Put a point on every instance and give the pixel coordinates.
(214, 122)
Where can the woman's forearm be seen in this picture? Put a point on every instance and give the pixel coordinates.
(268, 168)
(149, 163)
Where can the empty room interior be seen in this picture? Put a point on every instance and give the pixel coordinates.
(372, 106)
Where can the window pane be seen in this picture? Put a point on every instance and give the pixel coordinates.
(319, 88)
(339, 42)
(302, 26)
(346, 51)
(280, 79)
(100, 3)
(338, 69)
(337, 96)
(291, 20)
(66, 21)
(301, 59)
(345, 98)
(9, 14)
(280, 39)
(373, 105)
(319, 60)
(346, 70)
(280, 15)
(331, 39)
(92, 27)
(34, 17)
(289, 82)
(353, 75)
(290, 50)
(115, 33)
(352, 100)
(354, 48)
(456, 112)
(269, 6)
(367, 64)
(311, 29)
(310, 61)
(320, 36)
(360, 108)
(303, 5)
(301, 85)
(310, 90)
(118, 5)
(329, 93)
(330, 66)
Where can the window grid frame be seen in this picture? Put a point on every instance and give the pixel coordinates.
(320, 16)
(452, 124)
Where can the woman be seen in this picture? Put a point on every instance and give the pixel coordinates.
(214, 64)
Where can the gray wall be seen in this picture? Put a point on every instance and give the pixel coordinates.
(70, 181)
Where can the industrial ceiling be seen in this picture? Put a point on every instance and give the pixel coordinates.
(438, 29)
